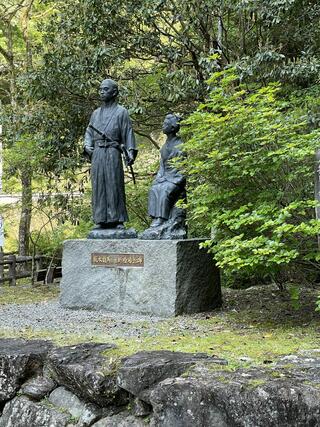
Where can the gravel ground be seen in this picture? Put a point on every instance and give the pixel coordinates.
(242, 309)
(50, 316)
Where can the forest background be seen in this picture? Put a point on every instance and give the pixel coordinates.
(244, 76)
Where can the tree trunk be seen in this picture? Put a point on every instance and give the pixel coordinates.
(10, 60)
(26, 208)
(317, 188)
(25, 18)
(9, 15)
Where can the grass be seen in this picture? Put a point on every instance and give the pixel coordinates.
(258, 325)
(261, 347)
(25, 294)
(229, 345)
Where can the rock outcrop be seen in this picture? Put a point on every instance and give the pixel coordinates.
(23, 412)
(42, 386)
(86, 372)
(143, 371)
(19, 360)
(246, 398)
(38, 387)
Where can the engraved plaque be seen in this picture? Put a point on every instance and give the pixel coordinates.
(117, 260)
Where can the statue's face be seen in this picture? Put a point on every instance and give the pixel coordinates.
(107, 92)
(169, 125)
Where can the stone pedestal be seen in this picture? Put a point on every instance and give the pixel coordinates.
(161, 278)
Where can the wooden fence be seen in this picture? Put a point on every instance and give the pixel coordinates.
(13, 267)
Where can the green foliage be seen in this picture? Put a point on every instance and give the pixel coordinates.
(270, 53)
(145, 169)
(161, 59)
(251, 171)
(294, 292)
(60, 217)
(49, 242)
(25, 152)
(53, 54)
(137, 204)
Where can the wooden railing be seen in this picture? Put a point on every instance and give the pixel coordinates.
(13, 267)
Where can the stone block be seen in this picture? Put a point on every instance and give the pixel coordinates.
(121, 420)
(85, 371)
(23, 412)
(19, 360)
(37, 388)
(162, 278)
(140, 373)
(64, 400)
(257, 397)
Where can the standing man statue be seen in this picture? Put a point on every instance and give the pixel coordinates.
(109, 136)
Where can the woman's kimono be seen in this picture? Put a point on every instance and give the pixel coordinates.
(169, 184)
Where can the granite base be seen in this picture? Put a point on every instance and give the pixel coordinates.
(161, 278)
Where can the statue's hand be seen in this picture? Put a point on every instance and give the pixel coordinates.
(131, 158)
(88, 150)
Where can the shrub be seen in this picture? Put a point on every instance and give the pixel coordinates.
(250, 165)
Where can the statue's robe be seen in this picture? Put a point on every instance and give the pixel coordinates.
(169, 184)
(107, 176)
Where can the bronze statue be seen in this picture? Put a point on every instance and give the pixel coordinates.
(109, 135)
(167, 188)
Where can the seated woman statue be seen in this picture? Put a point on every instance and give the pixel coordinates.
(168, 221)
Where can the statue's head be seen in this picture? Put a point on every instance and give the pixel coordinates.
(171, 124)
(108, 90)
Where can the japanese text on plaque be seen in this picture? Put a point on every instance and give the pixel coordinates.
(117, 260)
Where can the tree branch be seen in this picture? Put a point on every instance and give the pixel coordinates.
(6, 54)
(154, 142)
